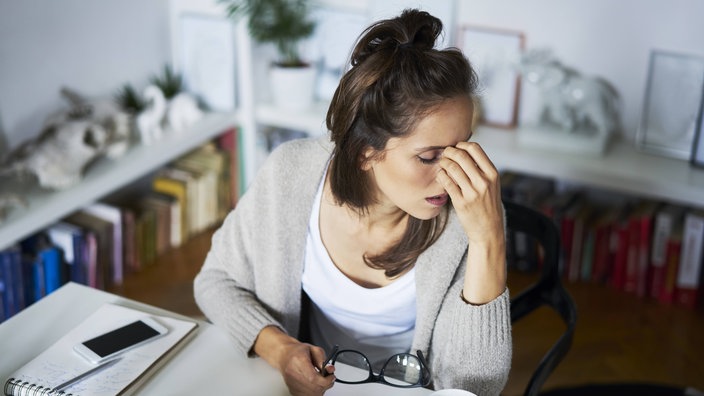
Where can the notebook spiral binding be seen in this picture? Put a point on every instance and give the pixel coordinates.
(16, 387)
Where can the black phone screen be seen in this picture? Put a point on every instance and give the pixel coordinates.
(120, 338)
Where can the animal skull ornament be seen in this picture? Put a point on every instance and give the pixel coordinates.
(60, 155)
(70, 140)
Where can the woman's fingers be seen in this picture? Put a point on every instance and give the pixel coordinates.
(302, 371)
(468, 166)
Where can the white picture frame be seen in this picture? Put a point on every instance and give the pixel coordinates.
(207, 60)
(697, 157)
(494, 54)
(336, 33)
(671, 103)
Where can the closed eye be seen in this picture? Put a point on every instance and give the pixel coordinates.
(428, 161)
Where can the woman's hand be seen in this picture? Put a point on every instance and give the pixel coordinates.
(297, 362)
(472, 182)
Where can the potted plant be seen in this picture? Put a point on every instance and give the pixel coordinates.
(284, 23)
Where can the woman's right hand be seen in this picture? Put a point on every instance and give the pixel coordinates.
(297, 362)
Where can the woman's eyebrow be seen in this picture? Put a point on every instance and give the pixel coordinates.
(429, 148)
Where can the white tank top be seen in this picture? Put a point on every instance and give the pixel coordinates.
(379, 322)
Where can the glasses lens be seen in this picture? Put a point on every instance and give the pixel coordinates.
(357, 369)
(403, 370)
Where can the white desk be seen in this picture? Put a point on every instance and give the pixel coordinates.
(207, 365)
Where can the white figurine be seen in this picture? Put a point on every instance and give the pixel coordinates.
(183, 112)
(570, 101)
(149, 121)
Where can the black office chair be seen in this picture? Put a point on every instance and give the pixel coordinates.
(547, 291)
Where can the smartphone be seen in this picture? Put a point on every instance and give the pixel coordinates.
(108, 345)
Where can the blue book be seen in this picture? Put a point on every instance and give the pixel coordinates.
(52, 262)
(13, 297)
(70, 239)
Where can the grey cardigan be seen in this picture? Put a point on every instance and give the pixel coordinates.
(251, 277)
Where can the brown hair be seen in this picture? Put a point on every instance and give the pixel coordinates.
(396, 78)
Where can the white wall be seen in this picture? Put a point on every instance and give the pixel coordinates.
(608, 38)
(91, 46)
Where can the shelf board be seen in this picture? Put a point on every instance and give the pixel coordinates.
(105, 176)
(311, 120)
(623, 168)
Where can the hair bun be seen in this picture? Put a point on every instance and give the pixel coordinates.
(412, 29)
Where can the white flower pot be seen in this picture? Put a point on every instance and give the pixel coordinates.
(292, 88)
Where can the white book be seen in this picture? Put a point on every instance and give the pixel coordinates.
(692, 251)
(113, 215)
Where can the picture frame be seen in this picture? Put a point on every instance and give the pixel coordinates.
(672, 99)
(493, 53)
(697, 157)
(206, 59)
(331, 44)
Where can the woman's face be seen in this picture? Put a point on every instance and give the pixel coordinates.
(405, 174)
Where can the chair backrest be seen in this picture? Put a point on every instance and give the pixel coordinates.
(547, 291)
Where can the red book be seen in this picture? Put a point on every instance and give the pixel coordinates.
(689, 272)
(638, 260)
(603, 247)
(666, 292)
(621, 241)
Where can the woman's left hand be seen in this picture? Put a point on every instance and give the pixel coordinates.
(472, 182)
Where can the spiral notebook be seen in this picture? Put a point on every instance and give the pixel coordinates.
(60, 362)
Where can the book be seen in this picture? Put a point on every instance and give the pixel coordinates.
(165, 184)
(113, 215)
(604, 244)
(229, 143)
(667, 220)
(211, 164)
(52, 263)
(639, 237)
(71, 241)
(620, 244)
(12, 283)
(690, 268)
(673, 250)
(167, 221)
(101, 259)
(60, 362)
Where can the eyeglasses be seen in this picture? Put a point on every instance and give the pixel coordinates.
(403, 370)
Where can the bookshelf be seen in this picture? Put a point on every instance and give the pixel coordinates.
(105, 176)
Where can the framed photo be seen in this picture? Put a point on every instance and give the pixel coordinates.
(672, 100)
(330, 47)
(697, 158)
(207, 60)
(493, 53)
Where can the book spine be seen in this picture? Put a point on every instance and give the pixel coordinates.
(643, 275)
(662, 230)
(690, 260)
(666, 294)
(618, 277)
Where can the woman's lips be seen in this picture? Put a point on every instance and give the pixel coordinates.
(438, 200)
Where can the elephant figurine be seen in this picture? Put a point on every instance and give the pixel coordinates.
(570, 101)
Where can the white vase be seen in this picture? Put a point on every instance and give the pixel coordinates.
(292, 88)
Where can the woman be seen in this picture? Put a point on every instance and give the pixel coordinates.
(392, 234)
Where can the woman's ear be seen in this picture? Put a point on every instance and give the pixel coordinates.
(366, 159)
